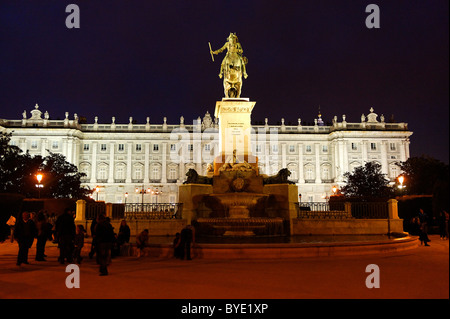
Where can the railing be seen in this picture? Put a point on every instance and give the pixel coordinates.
(93, 209)
(370, 210)
(336, 210)
(321, 210)
(153, 211)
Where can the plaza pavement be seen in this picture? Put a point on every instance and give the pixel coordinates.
(420, 273)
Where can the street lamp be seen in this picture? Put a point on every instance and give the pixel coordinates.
(39, 177)
(401, 179)
(126, 196)
(156, 192)
(97, 189)
(142, 191)
(334, 189)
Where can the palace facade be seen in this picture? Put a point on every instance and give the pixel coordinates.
(123, 158)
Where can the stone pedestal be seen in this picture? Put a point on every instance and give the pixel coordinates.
(234, 131)
(284, 197)
(191, 195)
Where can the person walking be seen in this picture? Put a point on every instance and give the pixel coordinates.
(187, 238)
(423, 237)
(42, 236)
(104, 233)
(24, 232)
(65, 233)
(78, 244)
(11, 223)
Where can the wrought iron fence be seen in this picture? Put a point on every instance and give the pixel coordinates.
(370, 210)
(153, 211)
(336, 210)
(93, 209)
(321, 210)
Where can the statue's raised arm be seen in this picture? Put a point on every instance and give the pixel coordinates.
(232, 67)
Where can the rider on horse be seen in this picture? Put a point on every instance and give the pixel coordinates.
(233, 47)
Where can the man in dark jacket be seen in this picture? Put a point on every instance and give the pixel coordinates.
(187, 237)
(25, 231)
(104, 233)
(65, 233)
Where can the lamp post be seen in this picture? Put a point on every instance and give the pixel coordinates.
(334, 189)
(142, 191)
(39, 177)
(401, 179)
(97, 189)
(156, 192)
(126, 196)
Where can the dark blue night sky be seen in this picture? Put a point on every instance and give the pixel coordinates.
(151, 58)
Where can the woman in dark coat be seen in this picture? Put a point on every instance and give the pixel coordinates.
(24, 232)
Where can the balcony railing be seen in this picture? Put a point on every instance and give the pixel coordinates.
(153, 211)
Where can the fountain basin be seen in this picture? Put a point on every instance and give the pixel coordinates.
(240, 227)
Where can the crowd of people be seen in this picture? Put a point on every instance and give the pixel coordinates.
(70, 238)
(420, 224)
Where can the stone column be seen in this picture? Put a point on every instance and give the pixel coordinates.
(94, 163)
(384, 161)
(164, 163)
(393, 209)
(146, 162)
(301, 175)
(317, 156)
(111, 163)
(81, 211)
(129, 152)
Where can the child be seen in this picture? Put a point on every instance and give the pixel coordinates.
(78, 243)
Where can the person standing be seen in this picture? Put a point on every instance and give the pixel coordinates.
(423, 237)
(65, 233)
(24, 232)
(104, 233)
(187, 238)
(42, 235)
(123, 236)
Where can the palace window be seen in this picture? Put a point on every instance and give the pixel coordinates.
(373, 146)
(86, 147)
(34, 144)
(258, 148)
(155, 147)
(173, 147)
(207, 147)
(138, 172)
(173, 173)
(291, 148)
(102, 172)
(103, 147)
(55, 145)
(121, 147)
(325, 148)
(354, 146)
(308, 149)
(155, 172)
(392, 146)
(138, 147)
